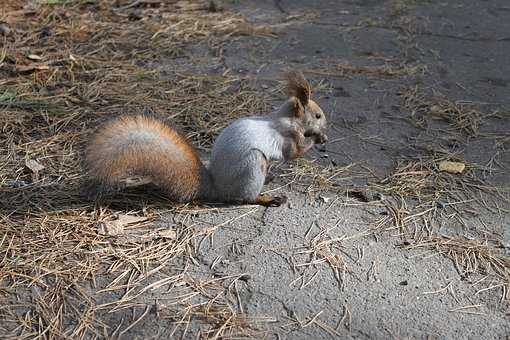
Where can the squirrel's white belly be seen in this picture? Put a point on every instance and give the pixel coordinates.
(231, 154)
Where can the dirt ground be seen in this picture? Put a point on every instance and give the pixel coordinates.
(377, 239)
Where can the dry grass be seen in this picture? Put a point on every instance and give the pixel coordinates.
(389, 69)
(216, 302)
(469, 256)
(419, 178)
(426, 205)
(65, 66)
(313, 178)
(481, 262)
(463, 117)
(321, 249)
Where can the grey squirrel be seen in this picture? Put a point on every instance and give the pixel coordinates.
(144, 146)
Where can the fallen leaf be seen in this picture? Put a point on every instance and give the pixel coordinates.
(31, 68)
(33, 165)
(118, 226)
(167, 233)
(110, 228)
(452, 167)
(133, 229)
(34, 57)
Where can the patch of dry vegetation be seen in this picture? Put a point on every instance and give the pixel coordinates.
(313, 178)
(469, 256)
(65, 66)
(463, 117)
(386, 70)
(431, 208)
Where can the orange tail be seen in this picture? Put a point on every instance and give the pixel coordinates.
(144, 146)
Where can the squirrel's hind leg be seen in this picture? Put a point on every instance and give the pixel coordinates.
(259, 177)
(241, 181)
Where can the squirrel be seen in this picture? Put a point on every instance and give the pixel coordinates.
(145, 146)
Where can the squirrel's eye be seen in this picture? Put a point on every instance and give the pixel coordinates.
(318, 115)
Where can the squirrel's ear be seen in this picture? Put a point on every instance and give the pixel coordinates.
(298, 86)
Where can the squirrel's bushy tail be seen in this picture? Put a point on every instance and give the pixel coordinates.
(143, 146)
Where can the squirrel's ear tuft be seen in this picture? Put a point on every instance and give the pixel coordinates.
(297, 108)
(298, 86)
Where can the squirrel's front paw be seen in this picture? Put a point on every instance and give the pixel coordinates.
(271, 201)
(317, 137)
(320, 138)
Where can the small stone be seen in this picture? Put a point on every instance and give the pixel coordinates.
(5, 30)
(45, 32)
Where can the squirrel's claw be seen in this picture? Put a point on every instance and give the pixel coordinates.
(320, 138)
(317, 137)
(278, 200)
(271, 201)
